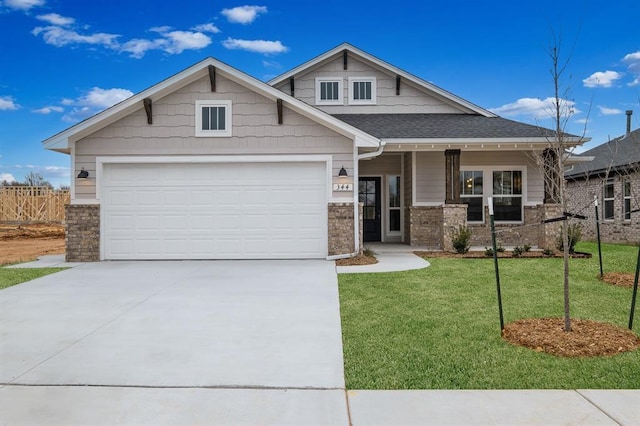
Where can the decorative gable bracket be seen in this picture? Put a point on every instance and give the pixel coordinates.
(212, 77)
(279, 107)
(147, 109)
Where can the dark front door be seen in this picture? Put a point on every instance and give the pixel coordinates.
(369, 195)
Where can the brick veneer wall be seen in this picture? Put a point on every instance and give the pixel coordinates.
(341, 228)
(580, 196)
(83, 232)
(426, 227)
(453, 216)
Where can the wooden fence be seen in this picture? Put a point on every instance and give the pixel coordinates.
(32, 204)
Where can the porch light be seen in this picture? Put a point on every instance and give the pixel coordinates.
(342, 172)
(83, 174)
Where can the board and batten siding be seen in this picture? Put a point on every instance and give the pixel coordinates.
(430, 172)
(385, 164)
(255, 132)
(410, 100)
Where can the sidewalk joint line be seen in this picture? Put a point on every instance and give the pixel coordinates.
(598, 407)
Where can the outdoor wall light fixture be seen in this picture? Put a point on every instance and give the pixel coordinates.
(342, 172)
(83, 174)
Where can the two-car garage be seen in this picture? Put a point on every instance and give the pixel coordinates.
(213, 210)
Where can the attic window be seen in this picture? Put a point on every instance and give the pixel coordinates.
(329, 91)
(362, 91)
(213, 118)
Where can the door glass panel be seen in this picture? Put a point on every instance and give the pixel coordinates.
(370, 212)
(394, 220)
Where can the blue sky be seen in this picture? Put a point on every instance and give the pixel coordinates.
(64, 60)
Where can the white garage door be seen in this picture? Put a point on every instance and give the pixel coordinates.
(214, 211)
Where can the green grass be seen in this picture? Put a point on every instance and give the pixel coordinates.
(9, 277)
(438, 328)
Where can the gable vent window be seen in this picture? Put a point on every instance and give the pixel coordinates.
(362, 91)
(328, 91)
(213, 118)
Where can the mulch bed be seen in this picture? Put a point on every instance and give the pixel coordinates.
(619, 279)
(586, 338)
(502, 255)
(362, 259)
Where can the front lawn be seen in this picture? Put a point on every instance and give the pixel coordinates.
(438, 328)
(9, 277)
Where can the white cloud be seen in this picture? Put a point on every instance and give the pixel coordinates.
(139, 46)
(243, 14)
(179, 41)
(582, 121)
(602, 79)
(259, 46)
(60, 37)
(632, 60)
(161, 29)
(94, 101)
(23, 4)
(48, 110)
(536, 108)
(271, 64)
(609, 111)
(55, 19)
(8, 177)
(207, 28)
(8, 104)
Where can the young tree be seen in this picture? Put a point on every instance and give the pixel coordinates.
(36, 179)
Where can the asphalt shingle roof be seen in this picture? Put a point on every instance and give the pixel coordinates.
(404, 126)
(614, 155)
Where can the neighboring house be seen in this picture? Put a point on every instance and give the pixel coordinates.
(613, 178)
(344, 149)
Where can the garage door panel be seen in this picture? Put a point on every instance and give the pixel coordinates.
(214, 211)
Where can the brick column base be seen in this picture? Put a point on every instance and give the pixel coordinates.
(83, 232)
(341, 239)
(549, 232)
(453, 216)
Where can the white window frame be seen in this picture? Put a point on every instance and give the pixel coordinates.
(612, 200)
(481, 196)
(626, 199)
(371, 101)
(388, 205)
(339, 101)
(228, 115)
(521, 195)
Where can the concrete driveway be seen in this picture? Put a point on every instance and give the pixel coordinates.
(271, 325)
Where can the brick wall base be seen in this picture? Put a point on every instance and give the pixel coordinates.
(340, 236)
(83, 232)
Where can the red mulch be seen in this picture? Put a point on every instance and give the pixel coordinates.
(362, 259)
(502, 255)
(586, 338)
(618, 279)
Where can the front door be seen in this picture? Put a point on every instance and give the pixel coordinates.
(369, 195)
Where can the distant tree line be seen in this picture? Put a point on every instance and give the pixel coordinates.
(32, 179)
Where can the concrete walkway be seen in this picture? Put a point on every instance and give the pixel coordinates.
(84, 355)
(391, 258)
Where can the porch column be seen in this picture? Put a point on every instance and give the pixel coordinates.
(452, 176)
(551, 176)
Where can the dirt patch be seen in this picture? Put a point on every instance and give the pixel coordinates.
(586, 338)
(363, 259)
(501, 255)
(26, 242)
(618, 279)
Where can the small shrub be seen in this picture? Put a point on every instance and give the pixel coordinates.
(488, 251)
(517, 251)
(575, 234)
(368, 252)
(547, 252)
(500, 249)
(527, 248)
(461, 239)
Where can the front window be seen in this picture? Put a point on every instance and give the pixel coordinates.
(362, 91)
(328, 91)
(627, 199)
(394, 203)
(471, 191)
(609, 198)
(507, 195)
(213, 118)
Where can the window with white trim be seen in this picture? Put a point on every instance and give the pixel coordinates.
(213, 118)
(507, 196)
(608, 198)
(362, 90)
(329, 91)
(394, 203)
(471, 190)
(626, 192)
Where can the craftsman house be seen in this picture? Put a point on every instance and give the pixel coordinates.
(612, 177)
(342, 150)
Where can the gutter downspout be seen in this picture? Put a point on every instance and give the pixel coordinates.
(356, 210)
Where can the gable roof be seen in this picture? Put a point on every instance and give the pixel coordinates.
(449, 126)
(616, 155)
(61, 141)
(434, 90)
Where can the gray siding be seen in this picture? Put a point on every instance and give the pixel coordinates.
(410, 100)
(385, 164)
(255, 132)
(430, 178)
